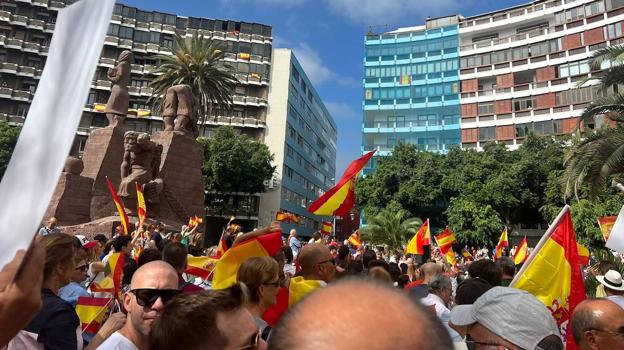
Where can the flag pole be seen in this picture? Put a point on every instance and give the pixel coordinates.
(539, 245)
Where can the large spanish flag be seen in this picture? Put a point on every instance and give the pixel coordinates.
(606, 224)
(200, 266)
(141, 207)
(227, 267)
(522, 252)
(354, 239)
(340, 199)
(503, 241)
(420, 239)
(123, 217)
(91, 312)
(552, 273)
(445, 241)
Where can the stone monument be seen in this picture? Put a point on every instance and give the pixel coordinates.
(71, 198)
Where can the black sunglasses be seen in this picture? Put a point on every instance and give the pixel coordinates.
(82, 267)
(326, 261)
(147, 297)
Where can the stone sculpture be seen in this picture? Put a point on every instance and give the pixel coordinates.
(141, 164)
(180, 110)
(117, 105)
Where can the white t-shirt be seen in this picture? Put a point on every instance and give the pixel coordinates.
(117, 342)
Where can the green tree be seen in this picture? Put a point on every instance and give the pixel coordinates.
(8, 139)
(601, 154)
(472, 222)
(392, 227)
(195, 61)
(235, 163)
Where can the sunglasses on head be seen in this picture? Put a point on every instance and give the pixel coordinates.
(147, 297)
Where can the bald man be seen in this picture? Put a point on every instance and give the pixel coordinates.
(316, 263)
(50, 228)
(378, 317)
(152, 285)
(598, 325)
(430, 270)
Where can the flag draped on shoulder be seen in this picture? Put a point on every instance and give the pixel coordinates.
(227, 267)
(420, 239)
(123, 217)
(141, 207)
(552, 273)
(299, 287)
(445, 242)
(200, 266)
(91, 312)
(522, 252)
(354, 239)
(503, 241)
(340, 199)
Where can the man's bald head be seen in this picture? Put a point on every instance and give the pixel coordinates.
(155, 274)
(600, 314)
(314, 323)
(430, 270)
(311, 254)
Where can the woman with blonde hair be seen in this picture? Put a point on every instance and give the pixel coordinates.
(261, 276)
(56, 326)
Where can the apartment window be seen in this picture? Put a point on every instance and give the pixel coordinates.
(143, 16)
(523, 129)
(141, 37)
(22, 110)
(594, 8)
(573, 69)
(523, 104)
(539, 49)
(126, 32)
(555, 45)
(128, 12)
(543, 128)
(557, 127)
(113, 29)
(612, 31)
(167, 42)
(485, 108)
(611, 4)
(488, 133)
(520, 52)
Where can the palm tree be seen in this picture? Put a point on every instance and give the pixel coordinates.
(601, 153)
(391, 227)
(197, 62)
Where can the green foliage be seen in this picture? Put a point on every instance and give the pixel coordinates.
(391, 227)
(590, 281)
(8, 139)
(473, 222)
(235, 163)
(196, 61)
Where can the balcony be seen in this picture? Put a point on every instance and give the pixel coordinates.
(5, 16)
(19, 20)
(153, 48)
(36, 24)
(111, 40)
(107, 62)
(31, 47)
(102, 84)
(146, 90)
(166, 28)
(238, 99)
(6, 67)
(42, 3)
(244, 37)
(43, 50)
(142, 25)
(157, 27)
(13, 43)
(49, 28)
(130, 22)
(136, 68)
(257, 38)
(55, 5)
(26, 71)
(125, 43)
(134, 90)
(148, 68)
(22, 95)
(6, 92)
(116, 19)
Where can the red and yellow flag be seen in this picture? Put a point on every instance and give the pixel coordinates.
(91, 312)
(200, 266)
(299, 287)
(221, 248)
(113, 272)
(227, 267)
(287, 217)
(194, 221)
(606, 224)
(503, 241)
(467, 254)
(420, 239)
(450, 256)
(445, 240)
(326, 228)
(340, 199)
(522, 252)
(120, 207)
(553, 273)
(354, 239)
(141, 207)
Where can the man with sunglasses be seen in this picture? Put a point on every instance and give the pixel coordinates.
(152, 285)
(598, 325)
(316, 263)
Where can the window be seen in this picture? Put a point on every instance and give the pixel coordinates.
(612, 31)
(113, 29)
(167, 42)
(295, 74)
(523, 104)
(520, 52)
(154, 37)
(141, 37)
(126, 32)
(22, 110)
(485, 108)
(594, 8)
(488, 133)
(573, 69)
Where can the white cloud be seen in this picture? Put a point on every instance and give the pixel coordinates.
(381, 12)
(341, 110)
(281, 2)
(316, 70)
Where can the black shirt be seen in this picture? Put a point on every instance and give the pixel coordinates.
(56, 323)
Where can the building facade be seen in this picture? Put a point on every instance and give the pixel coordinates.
(519, 69)
(302, 135)
(26, 29)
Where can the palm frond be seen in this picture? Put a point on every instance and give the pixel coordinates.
(613, 54)
(602, 105)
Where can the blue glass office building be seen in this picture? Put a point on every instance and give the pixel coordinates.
(412, 89)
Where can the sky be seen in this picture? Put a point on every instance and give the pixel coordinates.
(327, 37)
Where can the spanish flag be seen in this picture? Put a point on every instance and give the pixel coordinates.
(451, 258)
(91, 311)
(141, 208)
(326, 228)
(502, 242)
(339, 200)
(221, 248)
(426, 233)
(445, 241)
(120, 207)
(286, 297)
(200, 266)
(227, 267)
(467, 254)
(522, 252)
(553, 272)
(354, 239)
(287, 217)
(606, 224)
(113, 272)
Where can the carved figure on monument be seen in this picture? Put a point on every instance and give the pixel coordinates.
(117, 105)
(180, 112)
(141, 163)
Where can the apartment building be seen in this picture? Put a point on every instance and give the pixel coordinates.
(302, 135)
(519, 70)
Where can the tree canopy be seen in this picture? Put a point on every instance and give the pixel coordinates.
(235, 163)
(8, 139)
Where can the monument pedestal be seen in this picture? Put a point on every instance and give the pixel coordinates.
(180, 169)
(71, 200)
(102, 157)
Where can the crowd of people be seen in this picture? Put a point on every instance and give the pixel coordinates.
(312, 294)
